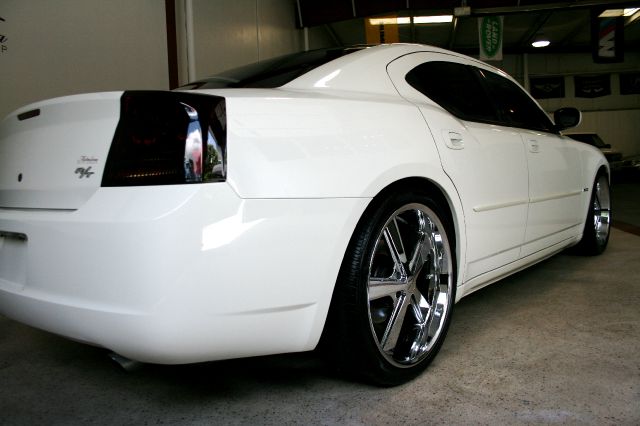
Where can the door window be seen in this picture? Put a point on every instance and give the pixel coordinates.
(455, 87)
(515, 107)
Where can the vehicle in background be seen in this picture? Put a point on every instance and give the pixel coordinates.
(613, 156)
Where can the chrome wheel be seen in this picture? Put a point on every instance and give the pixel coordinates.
(601, 209)
(410, 285)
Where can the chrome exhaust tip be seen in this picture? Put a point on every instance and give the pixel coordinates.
(126, 364)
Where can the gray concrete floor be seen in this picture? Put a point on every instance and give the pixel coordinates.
(557, 343)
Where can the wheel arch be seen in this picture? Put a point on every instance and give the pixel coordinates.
(423, 185)
(339, 310)
(447, 198)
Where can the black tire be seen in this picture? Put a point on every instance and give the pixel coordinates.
(595, 236)
(384, 326)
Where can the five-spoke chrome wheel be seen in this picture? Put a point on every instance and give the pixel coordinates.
(601, 209)
(410, 284)
(595, 236)
(394, 296)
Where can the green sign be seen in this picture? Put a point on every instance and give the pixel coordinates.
(490, 34)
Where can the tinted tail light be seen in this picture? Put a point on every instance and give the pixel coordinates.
(167, 138)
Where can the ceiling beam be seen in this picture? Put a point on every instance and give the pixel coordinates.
(533, 30)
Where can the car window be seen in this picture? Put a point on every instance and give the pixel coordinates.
(455, 88)
(515, 107)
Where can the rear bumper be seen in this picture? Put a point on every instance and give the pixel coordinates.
(177, 274)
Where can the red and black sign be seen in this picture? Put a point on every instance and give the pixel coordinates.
(607, 38)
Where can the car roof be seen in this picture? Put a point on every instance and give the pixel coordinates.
(348, 72)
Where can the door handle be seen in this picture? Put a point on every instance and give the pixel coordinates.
(534, 147)
(454, 140)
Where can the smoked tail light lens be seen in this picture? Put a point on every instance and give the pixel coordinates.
(168, 138)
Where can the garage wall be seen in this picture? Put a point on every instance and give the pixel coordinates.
(615, 117)
(226, 34)
(62, 47)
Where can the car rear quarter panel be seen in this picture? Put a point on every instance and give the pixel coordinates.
(301, 144)
(294, 146)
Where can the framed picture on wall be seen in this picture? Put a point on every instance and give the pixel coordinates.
(547, 87)
(630, 83)
(592, 86)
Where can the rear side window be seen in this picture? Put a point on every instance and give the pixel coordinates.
(514, 106)
(456, 88)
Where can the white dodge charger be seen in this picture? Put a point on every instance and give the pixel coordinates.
(340, 198)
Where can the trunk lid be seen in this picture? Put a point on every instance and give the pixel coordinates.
(52, 153)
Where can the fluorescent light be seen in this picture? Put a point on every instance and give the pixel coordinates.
(613, 13)
(541, 43)
(432, 19)
(389, 21)
(416, 20)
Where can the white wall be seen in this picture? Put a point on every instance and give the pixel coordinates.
(226, 34)
(615, 117)
(62, 47)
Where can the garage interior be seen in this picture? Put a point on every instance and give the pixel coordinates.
(557, 343)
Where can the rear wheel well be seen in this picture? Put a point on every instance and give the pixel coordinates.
(424, 186)
(349, 339)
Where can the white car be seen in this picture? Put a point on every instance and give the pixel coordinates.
(342, 198)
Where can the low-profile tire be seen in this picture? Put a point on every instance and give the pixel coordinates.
(598, 223)
(394, 296)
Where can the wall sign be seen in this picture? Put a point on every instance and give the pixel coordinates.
(607, 38)
(490, 36)
(630, 83)
(3, 38)
(547, 87)
(592, 86)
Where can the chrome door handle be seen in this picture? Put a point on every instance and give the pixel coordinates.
(454, 140)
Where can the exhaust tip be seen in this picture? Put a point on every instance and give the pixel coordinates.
(126, 364)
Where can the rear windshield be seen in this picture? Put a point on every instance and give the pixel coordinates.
(274, 72)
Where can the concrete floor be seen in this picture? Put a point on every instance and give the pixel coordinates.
(557, 343)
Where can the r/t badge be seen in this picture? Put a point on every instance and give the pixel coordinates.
(82, 172)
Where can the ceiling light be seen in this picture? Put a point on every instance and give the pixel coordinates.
(541, 43)
(439, 19)
(389, 21)
(432, 19)
(613, 13)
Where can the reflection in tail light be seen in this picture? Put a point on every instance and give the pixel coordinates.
(167, 138)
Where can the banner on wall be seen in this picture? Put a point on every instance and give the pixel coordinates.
(592, 86)
(607, 38)
(490, 34)
(547, 87)
(630, 83)
(3, 39)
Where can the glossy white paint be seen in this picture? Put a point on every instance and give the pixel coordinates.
(187, 273)
(69, 132)
(179, 274)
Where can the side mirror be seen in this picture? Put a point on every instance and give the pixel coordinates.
(566, 118)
